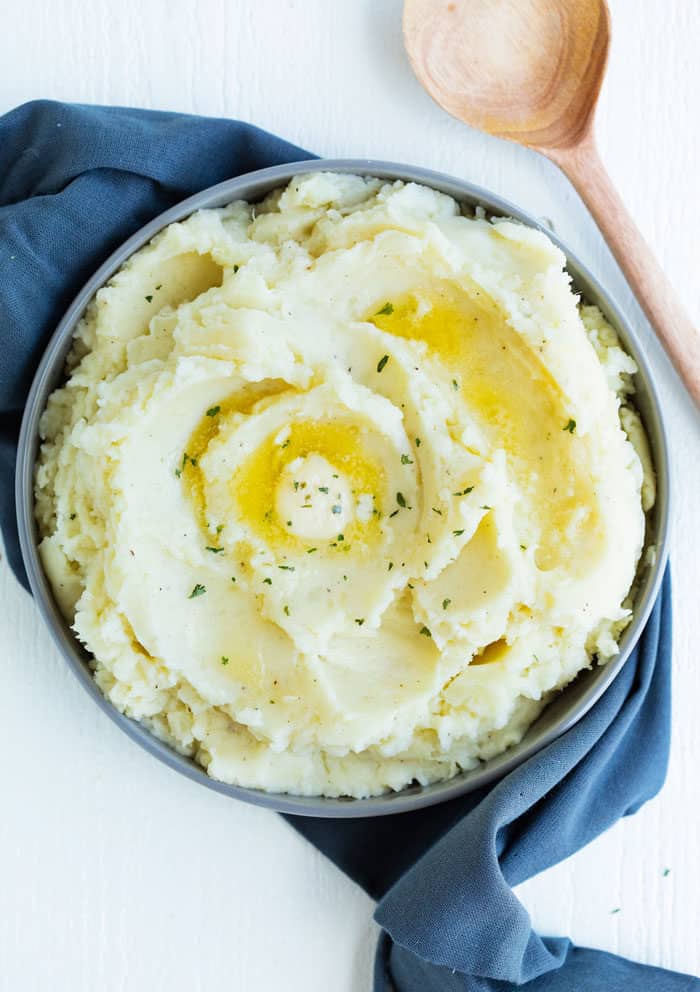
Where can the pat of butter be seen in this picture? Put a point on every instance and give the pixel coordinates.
(312, 499)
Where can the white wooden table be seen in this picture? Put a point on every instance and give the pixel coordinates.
(117, 874)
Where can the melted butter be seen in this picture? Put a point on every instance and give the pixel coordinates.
(492, 653)
(505, 385)
(340, 444)
(208, 428)
(256, 485)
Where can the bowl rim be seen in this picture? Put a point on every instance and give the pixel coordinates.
(252, 186)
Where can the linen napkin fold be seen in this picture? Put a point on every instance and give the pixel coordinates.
(76, 181)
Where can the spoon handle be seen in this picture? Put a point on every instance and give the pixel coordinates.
(583, 167)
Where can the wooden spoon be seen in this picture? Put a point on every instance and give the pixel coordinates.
(531, 71)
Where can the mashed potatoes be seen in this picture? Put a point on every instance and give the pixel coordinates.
(337, 490)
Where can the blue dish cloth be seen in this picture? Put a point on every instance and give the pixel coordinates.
(75, 182)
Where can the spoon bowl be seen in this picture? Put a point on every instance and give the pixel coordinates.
(474, 57)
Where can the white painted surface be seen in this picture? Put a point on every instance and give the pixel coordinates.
(116, 874)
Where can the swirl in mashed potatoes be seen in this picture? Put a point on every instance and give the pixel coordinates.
(340, 487)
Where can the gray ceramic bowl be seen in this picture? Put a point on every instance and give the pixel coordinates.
(566, 708)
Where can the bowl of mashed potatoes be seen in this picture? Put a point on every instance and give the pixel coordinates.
(343, 488)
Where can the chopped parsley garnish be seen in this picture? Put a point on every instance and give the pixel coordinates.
(198, 590)
(286, 610)
(391, 565)
(387, 309)
(323, 489)
(667, 872)
(405, 460)
(435, 510)
(233, 578)
(340, 537)
(410, 586)
(213, 410)
(359, 621)
(464, 492)
(289, 523)
(455, 384)
(345, 578)
(235, 269)
(219, 528)
(485, 507)
(214, 551)
(446, 603)
(188, 458)
(401, 500)
(224, 659)
(72, 516)
(287, 443)
(337, 508)
(268, 581)
(570, 426)
(296, 486)
(148, 299)
(310, 551)
(458, 533)
(393, 514)
(418, 442)
(159, 286)
(286, 568)
(178, 472)
(613, 911)
(382, 362)
(425, 631)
